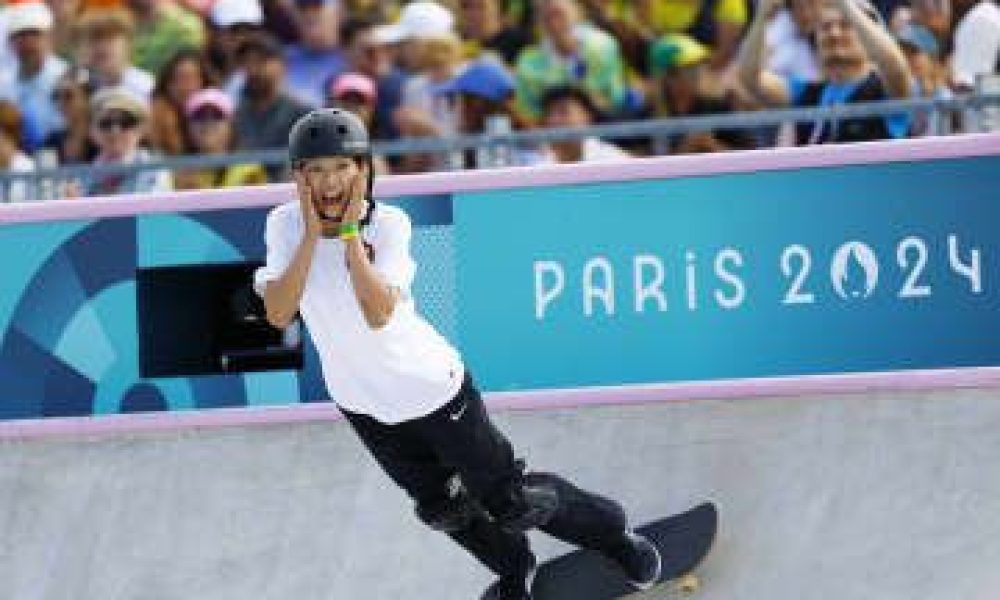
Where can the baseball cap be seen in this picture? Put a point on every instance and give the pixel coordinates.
(119, 98)
(355, 83)
(209, 97)
(418, 19)
(27, 16)
(226, 13)
(675, 50)
(485, 78)
(919, 37)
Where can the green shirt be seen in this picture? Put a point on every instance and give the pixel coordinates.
(173, 29)
(597, 68)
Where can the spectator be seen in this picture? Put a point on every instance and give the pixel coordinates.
(619, 18)
(209, 120)
(63, 33)
(370, 56)
(29, 85)
(483, 29)
(935, 15)
(571, 107)
(119, 117)
(357, 93)
(72, 143)
(861, 62)
(976, 42)
(317, 58)
(433, 52)
(12, 156)
(681, 67)
(571, 52)
(185, 73)
(485, 92)
(717, 24)
(107, 50)
(162, 27)
(266, 112)
(790, 41)
(233, 22)
(929, 74)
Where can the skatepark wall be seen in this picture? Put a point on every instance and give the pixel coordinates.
(887, 496)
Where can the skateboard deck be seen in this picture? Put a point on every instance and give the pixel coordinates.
(683, 540)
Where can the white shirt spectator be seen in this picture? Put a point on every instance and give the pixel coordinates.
(977, 44)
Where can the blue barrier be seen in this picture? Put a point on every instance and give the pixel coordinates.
(854, 259)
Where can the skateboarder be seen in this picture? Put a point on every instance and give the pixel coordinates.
(343, 262)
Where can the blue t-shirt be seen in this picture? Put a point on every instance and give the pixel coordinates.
(308, 72)
(834, 93)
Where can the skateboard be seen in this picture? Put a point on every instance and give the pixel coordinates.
(683, 540)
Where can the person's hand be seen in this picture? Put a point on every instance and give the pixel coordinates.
(310, 217)
(358, 202)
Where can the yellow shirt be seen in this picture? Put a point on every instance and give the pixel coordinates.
(674, 16)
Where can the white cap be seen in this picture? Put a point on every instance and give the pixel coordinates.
(226, 13)
(27, 16)
(418, 19)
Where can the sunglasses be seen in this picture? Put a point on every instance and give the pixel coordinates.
(124, 121)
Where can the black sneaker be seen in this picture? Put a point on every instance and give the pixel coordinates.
(511, 588)
(530, 506)
(638, 558)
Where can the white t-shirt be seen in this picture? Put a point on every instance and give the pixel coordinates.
(977, 43)
(403, 371)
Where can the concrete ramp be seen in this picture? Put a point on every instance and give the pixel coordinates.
(885, 496)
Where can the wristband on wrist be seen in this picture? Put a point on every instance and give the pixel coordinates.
(348, 231)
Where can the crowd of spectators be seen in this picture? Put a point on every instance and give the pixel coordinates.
(126, 81)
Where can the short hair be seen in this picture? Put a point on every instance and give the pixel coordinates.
(572, 92)
(10, 121)
(106, 22)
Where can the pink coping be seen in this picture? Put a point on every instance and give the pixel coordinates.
(897, 381)
(466, 181)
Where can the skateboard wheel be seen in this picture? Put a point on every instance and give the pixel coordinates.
(689, 583)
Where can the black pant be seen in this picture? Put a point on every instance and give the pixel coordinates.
(423, 455)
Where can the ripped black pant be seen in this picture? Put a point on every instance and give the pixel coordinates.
(458, 468)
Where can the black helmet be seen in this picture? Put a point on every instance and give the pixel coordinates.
(327, 132)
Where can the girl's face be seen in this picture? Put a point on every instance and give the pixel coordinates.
(211, 131)
(118, 133)
(330, 180)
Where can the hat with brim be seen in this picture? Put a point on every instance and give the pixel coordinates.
(229, 13)
(354, 83)
(418, 20)
(209, 98)
(121, 99)
(675, 50)
(484, 78)
(920, 38)
(27, 16)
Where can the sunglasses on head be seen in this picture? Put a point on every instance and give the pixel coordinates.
(123, 121)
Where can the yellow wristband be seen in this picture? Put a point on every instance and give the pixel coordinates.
(348, 231)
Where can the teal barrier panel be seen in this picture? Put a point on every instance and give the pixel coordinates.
(854, 259)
